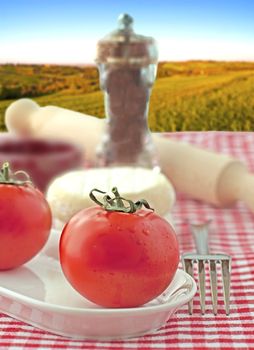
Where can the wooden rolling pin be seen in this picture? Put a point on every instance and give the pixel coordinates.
(214, 178)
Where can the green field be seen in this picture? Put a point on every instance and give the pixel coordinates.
(195, 95)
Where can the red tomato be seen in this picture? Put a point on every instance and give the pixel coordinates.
(118, 259)
(25, 222)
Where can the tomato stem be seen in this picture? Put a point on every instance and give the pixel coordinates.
(6, 171)
(119, 200)
(7, 177)
(117, 203)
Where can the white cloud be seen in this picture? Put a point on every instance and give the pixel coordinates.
(81, 51)
(49, 51)
(180, 49)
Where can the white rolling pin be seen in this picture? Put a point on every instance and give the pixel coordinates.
(26, 117)
(214, 178)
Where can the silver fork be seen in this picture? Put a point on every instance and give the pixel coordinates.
(202, 257)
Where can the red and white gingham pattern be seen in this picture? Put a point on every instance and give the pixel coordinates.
(233, 233)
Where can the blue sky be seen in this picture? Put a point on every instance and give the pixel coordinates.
(67, 31)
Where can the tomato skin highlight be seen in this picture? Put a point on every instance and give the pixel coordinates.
(25, 223)
(117, 259)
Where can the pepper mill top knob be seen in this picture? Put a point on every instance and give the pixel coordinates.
(123, 46)
(125, 22)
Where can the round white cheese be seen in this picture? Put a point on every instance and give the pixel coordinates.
(69, 193)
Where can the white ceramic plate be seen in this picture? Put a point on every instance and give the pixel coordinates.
(39, 294)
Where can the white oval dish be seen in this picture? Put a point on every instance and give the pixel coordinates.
(38, 294)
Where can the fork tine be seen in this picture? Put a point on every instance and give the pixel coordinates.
(226, 268)
(188, 267)
(201, 280)
(213, 282)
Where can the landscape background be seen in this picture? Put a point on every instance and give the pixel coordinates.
(194, 95)
(205, 78)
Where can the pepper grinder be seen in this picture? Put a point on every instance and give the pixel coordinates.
(127, 65)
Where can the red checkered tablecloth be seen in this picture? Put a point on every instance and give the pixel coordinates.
(232, 233)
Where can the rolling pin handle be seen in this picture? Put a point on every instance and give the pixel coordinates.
(247, 192)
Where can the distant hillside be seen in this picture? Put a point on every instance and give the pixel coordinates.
(193, 95)
(36, 80)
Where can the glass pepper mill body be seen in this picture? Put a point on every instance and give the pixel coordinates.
(127, 65)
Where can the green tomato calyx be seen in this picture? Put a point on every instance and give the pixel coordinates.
(118, 203)
(9, 178)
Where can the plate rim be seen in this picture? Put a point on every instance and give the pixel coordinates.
(181, 300)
